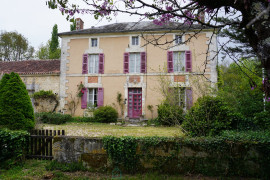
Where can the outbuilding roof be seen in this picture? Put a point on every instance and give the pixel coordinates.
(142, 26)
(31, 67)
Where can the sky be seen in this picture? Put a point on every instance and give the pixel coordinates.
(34, 20)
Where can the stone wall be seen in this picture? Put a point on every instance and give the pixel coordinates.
(209, 157)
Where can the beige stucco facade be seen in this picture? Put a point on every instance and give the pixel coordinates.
(113, 80)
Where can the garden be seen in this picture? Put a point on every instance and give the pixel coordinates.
(226, 134)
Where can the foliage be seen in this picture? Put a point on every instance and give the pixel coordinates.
(54, 51)
(43, 51)
(84, 119)
(80, 89)
(238, 88)
(73, 26)
(262, 120)
(14, 47)
(150, 108)
(208, 117)
(169, 114)
(53, 118)
(105, 114)
(12, 147)
(120, 102)
(47, 95)
(225, 155)
(66, 167)
(16, 111)
(122, 152)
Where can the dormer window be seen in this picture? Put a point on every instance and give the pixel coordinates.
(94, 42)
(135, 40)
(178, 39)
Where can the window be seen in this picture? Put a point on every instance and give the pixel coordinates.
(134, 63)
(93, 63)
(92, 97)
(178, 39)
(94, 42)
(177, 96)
(178, 61)
(135, 40)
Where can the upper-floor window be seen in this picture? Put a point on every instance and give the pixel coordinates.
(135, 63)
(94, 42)
(93, 63)
(135, 40)
(178, 61)
(178, 39)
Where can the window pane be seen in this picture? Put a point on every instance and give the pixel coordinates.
(178, 39)
(179, 61)
(135, 40)
(94, 42)
(93, 63)
(132, 63)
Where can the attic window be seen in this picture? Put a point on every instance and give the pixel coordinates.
(135, 40)
(178, 39)
(94, 42)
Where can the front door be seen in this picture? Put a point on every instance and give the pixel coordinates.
(134, 102)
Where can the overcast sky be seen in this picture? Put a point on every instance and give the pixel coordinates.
(34, 20)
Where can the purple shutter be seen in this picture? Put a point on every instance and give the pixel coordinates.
(84, 98)
(101, 64)
(143, 62)
(85, 64)
(170, 61)
(188, 61)
(189, 97)
(100, 97)
(126, 61)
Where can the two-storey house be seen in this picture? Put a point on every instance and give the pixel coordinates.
(129, 58)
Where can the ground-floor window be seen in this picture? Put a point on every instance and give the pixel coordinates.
(92, 97)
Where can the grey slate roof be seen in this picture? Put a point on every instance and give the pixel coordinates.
(142, 26)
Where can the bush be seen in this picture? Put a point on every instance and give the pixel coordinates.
(105, 114)
(83, 119)
(208, 117)
(53, 118)
(170, 114)
(262, 120)
(16, 111)
(12, 146)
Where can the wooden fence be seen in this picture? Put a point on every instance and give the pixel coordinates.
(40, 143)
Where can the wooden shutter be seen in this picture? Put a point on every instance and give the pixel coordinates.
(100, 97)
(101, 64)
(126, 62)
(85, 64)
(189, 99)
(84, 98)
(188, 61)
(143, 62)
(170, 61)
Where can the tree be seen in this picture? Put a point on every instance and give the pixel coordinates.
(54, 50)
(252, 17)
(16, 111)
(43, 51)
(73, 26)
(14, 47)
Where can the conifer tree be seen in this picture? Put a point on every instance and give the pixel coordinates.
(16, 111)
(54, 51)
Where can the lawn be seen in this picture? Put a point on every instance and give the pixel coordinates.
(36, 169)
(100, 130)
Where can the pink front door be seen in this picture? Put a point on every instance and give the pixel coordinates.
(134, 102)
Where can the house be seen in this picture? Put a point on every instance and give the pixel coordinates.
(123, 58)
(36, 74)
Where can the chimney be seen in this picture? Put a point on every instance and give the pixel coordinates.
(79, 24)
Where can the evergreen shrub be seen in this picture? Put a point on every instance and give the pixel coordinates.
(169, 115)
(209, 116)
(16, 111)
(105, 114)
(53, 118)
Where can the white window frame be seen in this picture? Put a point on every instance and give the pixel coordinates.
(96, 45)
(179, 61)
(91, 101)
(136, 64)
(136, 42)
(95, 64)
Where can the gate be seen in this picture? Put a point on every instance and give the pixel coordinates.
(40, 143)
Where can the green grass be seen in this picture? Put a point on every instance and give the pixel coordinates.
(36, 169)
(100, 130)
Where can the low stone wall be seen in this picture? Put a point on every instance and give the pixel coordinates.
(200, 156)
